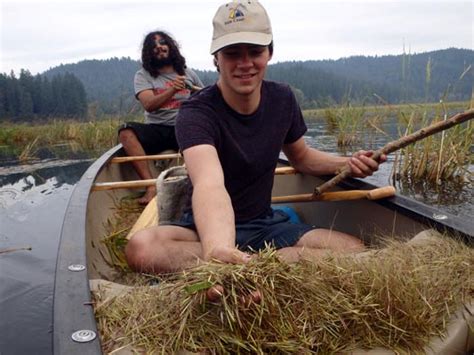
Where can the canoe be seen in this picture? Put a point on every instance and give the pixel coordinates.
(80, 251)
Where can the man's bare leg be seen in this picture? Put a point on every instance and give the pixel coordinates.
(133, 147)
(319, 242)
(167, 249)
(163, 249)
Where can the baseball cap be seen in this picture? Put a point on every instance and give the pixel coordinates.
(241, 21)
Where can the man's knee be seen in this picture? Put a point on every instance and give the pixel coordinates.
(354, 244)
(126, 135)
(139, 251)
(330, 239)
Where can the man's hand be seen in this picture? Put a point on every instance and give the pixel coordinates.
(362, 165)
(178, 83)
(229, 255)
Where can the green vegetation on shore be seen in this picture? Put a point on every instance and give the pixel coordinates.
(440, 157)
(93, 137)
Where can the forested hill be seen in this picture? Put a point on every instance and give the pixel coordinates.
(403, 78)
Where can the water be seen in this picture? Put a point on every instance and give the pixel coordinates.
(33, 201)
(451, 197)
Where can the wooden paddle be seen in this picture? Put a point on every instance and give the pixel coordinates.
(375, 194)
(148, 218)
(398, 144)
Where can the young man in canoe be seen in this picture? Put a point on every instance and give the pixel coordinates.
(231, 135)
(161, 85)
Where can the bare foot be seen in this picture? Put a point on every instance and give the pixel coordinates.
(215, 293)
(252, 297)
(148, 196)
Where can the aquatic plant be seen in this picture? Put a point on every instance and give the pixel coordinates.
(441, 157)
(28, 153)
(345, 121)
(93, 137)
(396, 298)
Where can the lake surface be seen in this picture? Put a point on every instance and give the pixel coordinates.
(454, 198)
(33, 200)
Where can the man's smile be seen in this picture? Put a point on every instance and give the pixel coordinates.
(245, 76)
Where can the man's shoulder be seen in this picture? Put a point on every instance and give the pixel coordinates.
(142, 73)
(189, 71)
(206, 94)
(277, 90)
(204, 100)
(276, 86)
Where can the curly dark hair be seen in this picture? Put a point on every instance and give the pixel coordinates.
(149, 60)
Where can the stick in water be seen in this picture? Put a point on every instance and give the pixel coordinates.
(398, 144)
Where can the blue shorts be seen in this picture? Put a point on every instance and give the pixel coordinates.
(274, 229)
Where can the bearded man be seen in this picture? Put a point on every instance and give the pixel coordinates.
(161, 85)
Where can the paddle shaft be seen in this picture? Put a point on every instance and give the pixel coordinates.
(375, 194)
(398, 144)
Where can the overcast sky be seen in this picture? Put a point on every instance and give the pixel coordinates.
(37, 35)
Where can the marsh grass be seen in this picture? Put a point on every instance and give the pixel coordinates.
(345, 122)
(395, 298)
(441, 157)
(28, 153)
(92, 137)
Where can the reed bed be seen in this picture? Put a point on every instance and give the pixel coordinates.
(441, 157)
(395, 298)
(93, 136)
(346, 121)
(387, 110)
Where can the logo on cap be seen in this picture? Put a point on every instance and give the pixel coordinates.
(236, 13)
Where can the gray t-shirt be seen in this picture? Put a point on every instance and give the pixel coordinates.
(166, 114)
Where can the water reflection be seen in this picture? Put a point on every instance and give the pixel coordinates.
(33, 200)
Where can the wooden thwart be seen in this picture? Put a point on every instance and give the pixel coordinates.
(118, 160)
(135, 184)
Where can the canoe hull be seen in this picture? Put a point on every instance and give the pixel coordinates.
(87, 214)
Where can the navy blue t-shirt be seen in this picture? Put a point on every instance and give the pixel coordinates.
(248, 146)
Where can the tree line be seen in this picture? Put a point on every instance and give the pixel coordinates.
(408, 78)
(405, 78)
(28, 97)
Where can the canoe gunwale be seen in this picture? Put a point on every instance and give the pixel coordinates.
(419, 211)
(72, 307)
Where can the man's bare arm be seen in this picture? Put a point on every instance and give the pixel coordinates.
(212, 207)
(314, 162)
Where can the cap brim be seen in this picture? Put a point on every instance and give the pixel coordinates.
(260, 39)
